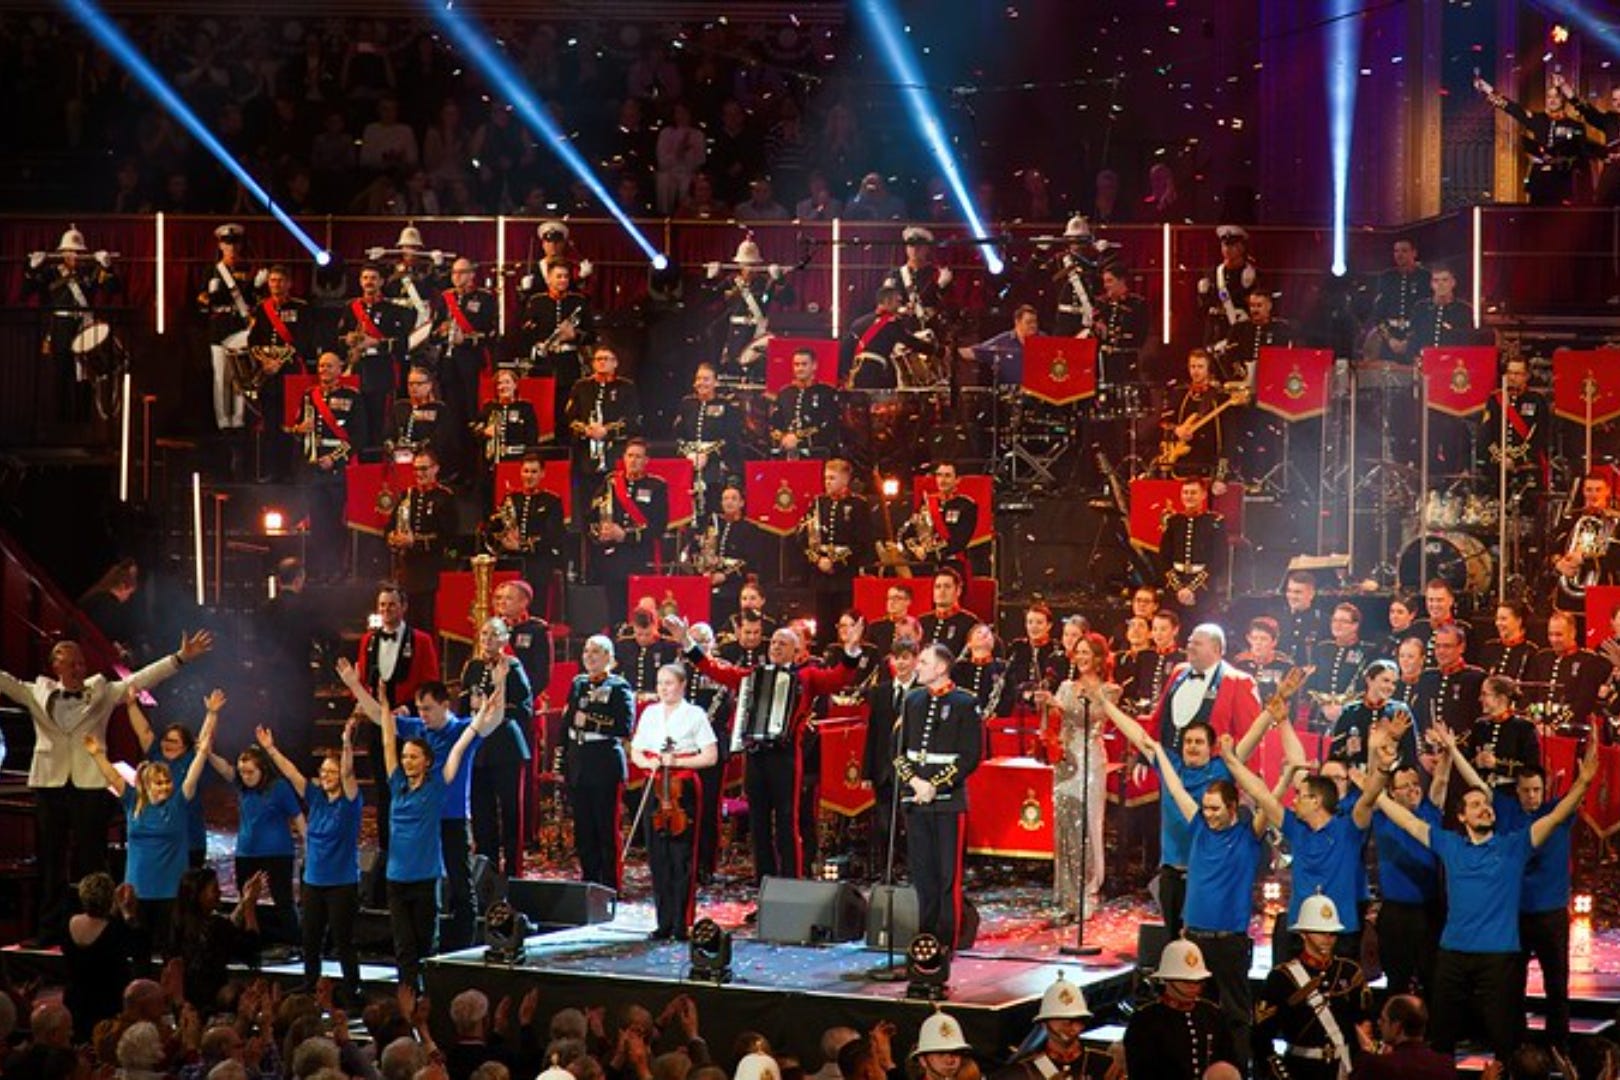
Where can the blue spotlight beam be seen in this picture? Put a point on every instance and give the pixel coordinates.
(113, 40)
(474, 41)
(903, 65)
(1341, 71)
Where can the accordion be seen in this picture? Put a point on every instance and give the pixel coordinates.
(766, 703)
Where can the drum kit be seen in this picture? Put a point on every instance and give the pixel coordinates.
(1458, 540)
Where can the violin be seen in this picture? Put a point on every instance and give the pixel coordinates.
(671, 818)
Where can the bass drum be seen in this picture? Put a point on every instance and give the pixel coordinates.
(1460, 560)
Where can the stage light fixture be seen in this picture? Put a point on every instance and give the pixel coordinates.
(891, 487)
(505, 931)
(928, 968)
(1582, 904)
(1594, 20)
(274, 522)
(709, 950)
(111, 38)
(913, 91)
(1341, 70)
(477, 44)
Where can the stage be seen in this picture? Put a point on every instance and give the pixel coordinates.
(788, 993)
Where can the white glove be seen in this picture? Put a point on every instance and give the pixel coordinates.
(1248, 276)
(213, 284)
(36, 259)
(1203, 286)
(775, 272)
(1483, 87)
(261, 278)
(585, 269)
(374, 253)
(437, 256)
(526, 283)
(104, 259)
(945, 276)
(711, 270)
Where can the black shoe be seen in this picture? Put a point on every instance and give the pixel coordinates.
(682, 935)
(752, 917)
(660, 935)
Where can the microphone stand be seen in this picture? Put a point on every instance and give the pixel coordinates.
(1080, 948)
(889, 971)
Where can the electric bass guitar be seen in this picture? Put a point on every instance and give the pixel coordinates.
(1172, 448)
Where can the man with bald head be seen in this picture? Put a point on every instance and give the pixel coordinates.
(773, 710)
(71, 803)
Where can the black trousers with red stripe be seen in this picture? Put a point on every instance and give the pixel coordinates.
(934, 851)
(772, 781)
(671, 860)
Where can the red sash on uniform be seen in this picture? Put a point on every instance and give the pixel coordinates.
(363, 317)
(936, 514)
(328, 417)
(621, 491)
(884, 319)
(274, 315)
(454, 307)
(1514, 419)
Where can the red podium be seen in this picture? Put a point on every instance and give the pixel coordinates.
(365, 483)
(1601, 600)
(1012, 809)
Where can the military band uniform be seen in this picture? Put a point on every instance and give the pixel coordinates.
(1123, 333)
(517, 431)
(1513, 659)
(1314, 1009)
(775, 773)
(1193, 554)
(1604, 569)
(1079, 286)
(1348, 739)
(1512, 739)
(1607, 192)
(1153, 668)
(1336, 670)
(428, 426)
(326, 488)
(949, 628)
(1570, 679)
(643, 522)
(68, 299)
(748, 305)
(953, 522)
(810, 414)
(875, 334)
(531, 644)
(1031, 667)
(428, 514)
(538, 347)
(1397, 296)
(845, 524)
(1267, 674)
(537, 522)
(415, 285)
(1224, 294)
(374, 359)
(1167, 1038)
(469, 329)
(941, 741)
(600, 713)
(617, 404)
(638, 664)
(922, 293)
(699, 423)
(286, 325)
(1090, 1064)
(1451, 697)
(1529, 435)
(746, 552)
(884, 703)
(1208, 453)
(226, 298)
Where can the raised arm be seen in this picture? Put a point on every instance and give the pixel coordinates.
(98, 754)
(267, 742)
(1415, 827)
(1134, 732)
(1257, 731)
(192, 647)
(390, 742)
(205, 749)
(137, 718)
(351, 782)
(1383, 754)
(1171, 780)
(213, 704)
(368, 704)
(1543, 827)
(1271, 809)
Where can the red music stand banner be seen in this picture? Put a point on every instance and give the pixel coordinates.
(779, 361)
(509, 477)
(1012, 809)
(294, 388)
(1153, 500)
(1293, 383)
(1060, 370)
(676, 473)
(539, 391)
(780, 493)
(1601, 601)
(843, 742)
(364, 483)
(1585, 378)
(688, 592)
(1459, 379)
(452, 604)
(981, 489)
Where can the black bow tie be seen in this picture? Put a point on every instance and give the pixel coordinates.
(74, 695)
(1195, 675)
(387, 635)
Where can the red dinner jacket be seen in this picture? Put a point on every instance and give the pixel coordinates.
(423, 666)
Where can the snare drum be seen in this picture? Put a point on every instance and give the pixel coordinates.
(96, 350)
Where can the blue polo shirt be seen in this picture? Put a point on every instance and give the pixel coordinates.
(1546, 876)
(196, 829)
(262, 830)
(1326, 860)
(414, 850)
(332, 840)
(158, 847)
(1175, 833)
(1483, 886)
(1221, 866)
(1408, 872)
(458, 794)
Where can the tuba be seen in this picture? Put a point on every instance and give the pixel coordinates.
(1589, 542)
